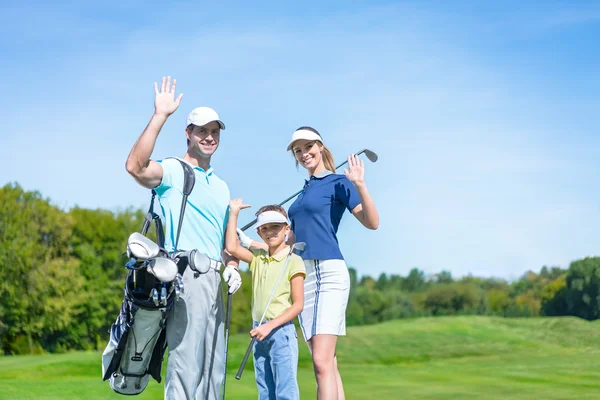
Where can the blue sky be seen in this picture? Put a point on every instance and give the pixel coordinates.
(485, 117)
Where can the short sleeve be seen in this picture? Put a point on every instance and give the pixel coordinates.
(296, 267)
(169, 167)
(346, 193)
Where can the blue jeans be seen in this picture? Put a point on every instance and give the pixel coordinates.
(276, 364)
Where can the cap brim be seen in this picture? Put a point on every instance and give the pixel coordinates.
(303, 134)
(221, 124)
(270, 217)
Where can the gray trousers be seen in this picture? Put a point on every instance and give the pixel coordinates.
(195, 338)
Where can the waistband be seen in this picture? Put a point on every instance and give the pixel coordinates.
(216, 265)
(255, 323)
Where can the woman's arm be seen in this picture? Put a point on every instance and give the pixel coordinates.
(365, 212)
(247, 242)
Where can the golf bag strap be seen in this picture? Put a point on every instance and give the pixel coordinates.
(189, 179)
(152, 216)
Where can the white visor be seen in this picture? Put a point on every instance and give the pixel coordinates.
(270, 217)
(304, 134)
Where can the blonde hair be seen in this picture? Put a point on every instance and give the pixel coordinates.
(326, 154)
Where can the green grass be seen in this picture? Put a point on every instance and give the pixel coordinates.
(426, 358)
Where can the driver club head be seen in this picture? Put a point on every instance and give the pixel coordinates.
(298, 246)
(371, 155)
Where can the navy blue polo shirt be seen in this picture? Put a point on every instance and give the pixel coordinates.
(317, 212)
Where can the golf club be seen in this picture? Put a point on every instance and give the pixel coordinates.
(227, 324)
(300, 246)
(370, 155)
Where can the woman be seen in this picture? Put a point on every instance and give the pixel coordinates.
(315, 217)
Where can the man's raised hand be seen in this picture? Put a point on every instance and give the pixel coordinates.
(165, 102)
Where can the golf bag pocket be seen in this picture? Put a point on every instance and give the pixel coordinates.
(135, 350)
(138, 337)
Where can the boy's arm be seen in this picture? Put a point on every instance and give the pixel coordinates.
(297, 288)
(232, 244)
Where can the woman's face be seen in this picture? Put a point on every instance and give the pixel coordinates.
(307, 153)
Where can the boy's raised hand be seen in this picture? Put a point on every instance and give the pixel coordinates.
(236, 205)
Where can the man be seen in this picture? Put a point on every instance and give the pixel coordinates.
(195, 324)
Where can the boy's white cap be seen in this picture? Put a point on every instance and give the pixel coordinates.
(270, 217)
(304, 134)
(204, 115)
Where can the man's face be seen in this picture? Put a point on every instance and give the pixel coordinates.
(204, 140)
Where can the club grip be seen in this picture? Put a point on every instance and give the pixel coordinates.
(245, 360)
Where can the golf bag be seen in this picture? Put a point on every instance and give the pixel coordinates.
(137, 343)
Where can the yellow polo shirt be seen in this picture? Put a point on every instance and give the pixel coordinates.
(265, 271)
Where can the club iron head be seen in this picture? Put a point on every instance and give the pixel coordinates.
(298, 246)
(371, 155)
(163, 296)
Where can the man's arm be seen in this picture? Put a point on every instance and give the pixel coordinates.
(146, 172)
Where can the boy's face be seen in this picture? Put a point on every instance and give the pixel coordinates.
(273, 234)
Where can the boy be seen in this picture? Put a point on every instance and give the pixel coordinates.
(276, 348)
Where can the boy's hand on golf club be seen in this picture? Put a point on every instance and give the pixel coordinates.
(262, 331)
(165, 102)
(356, 170)
(233, 278)
(236, 205)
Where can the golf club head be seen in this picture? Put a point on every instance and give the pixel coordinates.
(370, 155)
(141, 247)
(298, 246)
(163, 268)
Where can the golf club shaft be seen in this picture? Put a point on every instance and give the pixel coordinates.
(245, 360)
(249, 225)
(227, 324)
(243, 364)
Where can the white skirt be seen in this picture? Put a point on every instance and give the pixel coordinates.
(326, 291)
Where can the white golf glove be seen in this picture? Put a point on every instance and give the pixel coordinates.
(245, 240)
(233, 278)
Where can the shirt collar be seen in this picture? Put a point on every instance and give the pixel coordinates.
(279, 256)
(318, 176)
(322, 174)
(210, 168)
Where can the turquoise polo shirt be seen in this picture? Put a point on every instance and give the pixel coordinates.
(206, 212)
(317, 212)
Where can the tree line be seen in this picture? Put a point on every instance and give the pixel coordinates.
(62, 275)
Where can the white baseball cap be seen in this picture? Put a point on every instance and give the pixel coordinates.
(270, 217)
(304, 134)
(203, 115)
